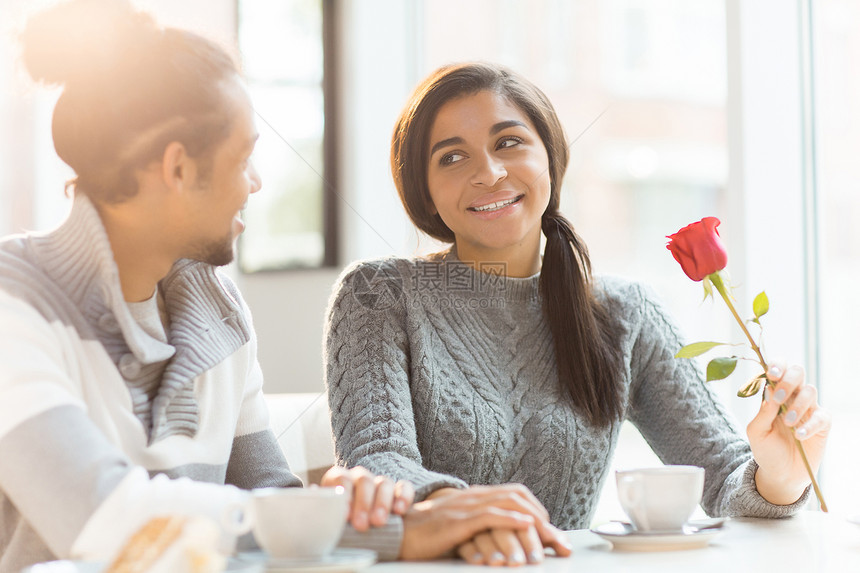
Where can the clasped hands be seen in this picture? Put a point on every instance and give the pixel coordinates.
(493, 525)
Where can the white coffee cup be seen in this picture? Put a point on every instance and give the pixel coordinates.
(299, 522)
(660, 499)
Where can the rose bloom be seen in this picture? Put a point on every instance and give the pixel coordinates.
(699, 249)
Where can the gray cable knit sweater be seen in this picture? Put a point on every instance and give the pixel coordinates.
(445, 376)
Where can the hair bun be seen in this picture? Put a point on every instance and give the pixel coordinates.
(80, 39)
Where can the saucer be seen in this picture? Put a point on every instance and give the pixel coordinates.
(338, 561)
(625, 538)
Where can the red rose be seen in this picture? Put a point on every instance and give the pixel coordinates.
(699, 248)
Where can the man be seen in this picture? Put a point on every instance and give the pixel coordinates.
(129, 384)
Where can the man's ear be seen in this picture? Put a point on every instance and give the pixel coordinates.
(178, 169)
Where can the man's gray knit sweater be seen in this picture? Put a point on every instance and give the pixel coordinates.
(445, 376)
(104, 424)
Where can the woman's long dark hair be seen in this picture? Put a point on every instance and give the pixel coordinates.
(584, 334)
(130, 88)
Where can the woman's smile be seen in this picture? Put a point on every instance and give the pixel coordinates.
(494, 206)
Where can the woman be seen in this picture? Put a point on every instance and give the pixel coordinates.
(490, 363)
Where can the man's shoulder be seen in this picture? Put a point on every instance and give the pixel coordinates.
(14, 259)
(22, 277)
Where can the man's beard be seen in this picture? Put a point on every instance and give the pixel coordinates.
(216, 253)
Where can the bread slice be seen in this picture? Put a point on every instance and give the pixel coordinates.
(171, 544)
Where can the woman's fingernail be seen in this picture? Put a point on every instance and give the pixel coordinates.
(768, 394)
(518, 557)
(496, 557)
(801, 433)
(379, 514)
(400, 506)
(779, 396)
(774, 372)
(791, 417)
(476, 558)
(360, 519)
(535, 556)
(525, 517)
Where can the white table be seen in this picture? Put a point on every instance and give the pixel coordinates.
(809, 542)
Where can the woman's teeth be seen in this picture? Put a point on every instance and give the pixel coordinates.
(496, 206)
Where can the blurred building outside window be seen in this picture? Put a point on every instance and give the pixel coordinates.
(281, 45)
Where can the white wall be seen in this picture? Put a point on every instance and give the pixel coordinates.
(288, 310)
(16, 159)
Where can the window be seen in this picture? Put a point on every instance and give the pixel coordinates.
(836, 49)
(290, 224)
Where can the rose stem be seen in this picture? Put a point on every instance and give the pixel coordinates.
(721, 288)
(717, 280)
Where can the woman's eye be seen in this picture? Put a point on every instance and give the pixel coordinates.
(450, 158)
(509, 142)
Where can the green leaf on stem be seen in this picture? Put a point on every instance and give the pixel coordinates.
(753, 386)
(719, 368)
(760, 305)
(697, 348)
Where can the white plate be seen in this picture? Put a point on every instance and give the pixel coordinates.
(624, 538)
(233, 566)
(339, 561)
(855, 519)
(66, 567)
